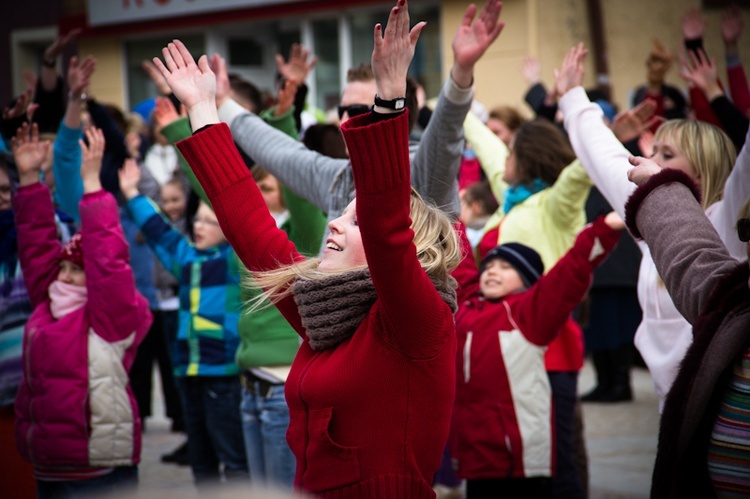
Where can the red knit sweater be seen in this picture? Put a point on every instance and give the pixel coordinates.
(370, 417)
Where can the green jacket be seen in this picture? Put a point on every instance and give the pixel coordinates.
(266, 339)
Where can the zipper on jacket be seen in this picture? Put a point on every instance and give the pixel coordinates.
(467, 357)
(509, 446)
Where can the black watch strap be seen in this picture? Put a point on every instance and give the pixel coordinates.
(396, 104)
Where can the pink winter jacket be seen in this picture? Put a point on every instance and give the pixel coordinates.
(74, 407)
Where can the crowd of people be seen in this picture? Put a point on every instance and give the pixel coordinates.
(393, 304)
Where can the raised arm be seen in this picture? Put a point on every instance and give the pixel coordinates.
(731, 30)
(665, 212)
(491, 153)
(435, 165)
(412, 310)
(67, 159)
(38, 247)
(567, 196)
(116, 309)
(308, 173)
(602, 155)
(560, 290)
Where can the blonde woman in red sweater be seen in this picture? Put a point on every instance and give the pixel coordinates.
(371, 390)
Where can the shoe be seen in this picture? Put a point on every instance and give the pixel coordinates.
(179, 456)
(594, 395)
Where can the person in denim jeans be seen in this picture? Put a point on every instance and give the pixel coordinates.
(268, 343)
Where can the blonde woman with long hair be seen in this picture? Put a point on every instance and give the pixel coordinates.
(703, 152)
(371, 389)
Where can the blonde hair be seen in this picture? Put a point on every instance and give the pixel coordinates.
(709, 150)
(437, 246)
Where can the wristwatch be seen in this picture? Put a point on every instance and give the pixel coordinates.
(396, 104)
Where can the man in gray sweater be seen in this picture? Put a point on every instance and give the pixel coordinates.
(328, 183)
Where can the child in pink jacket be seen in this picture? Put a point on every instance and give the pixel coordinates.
(76, 418)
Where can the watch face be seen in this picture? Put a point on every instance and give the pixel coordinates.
(400, 104)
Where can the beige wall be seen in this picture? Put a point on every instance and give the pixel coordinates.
(547, 28)
(108, 82)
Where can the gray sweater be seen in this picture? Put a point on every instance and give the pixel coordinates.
(328, 183)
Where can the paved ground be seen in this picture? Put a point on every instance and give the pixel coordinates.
(621, 442)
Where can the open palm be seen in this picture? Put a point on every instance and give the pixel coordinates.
(473, 38)
(190, 82)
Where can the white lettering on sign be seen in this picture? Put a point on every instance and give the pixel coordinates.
(103, 12)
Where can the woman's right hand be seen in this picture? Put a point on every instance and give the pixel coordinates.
(194, 84)
(29, 153)
(643, 169)
(393, 52)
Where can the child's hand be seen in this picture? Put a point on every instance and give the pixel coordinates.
(91, 159)
(614, 221)
(130, 176)
(164, 112)
(29, 153)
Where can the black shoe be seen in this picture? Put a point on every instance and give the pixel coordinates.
(594, 395)
(178, 456)
(621, 393)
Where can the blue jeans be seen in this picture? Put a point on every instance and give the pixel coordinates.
(264, 424)
(122, 479)
(213, 428)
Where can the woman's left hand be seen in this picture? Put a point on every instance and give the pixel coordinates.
(393, 52)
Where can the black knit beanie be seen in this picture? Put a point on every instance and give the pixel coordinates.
(525, 260)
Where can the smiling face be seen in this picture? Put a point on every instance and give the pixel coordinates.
(173, 201)
(667, 155)
(206, 229)
(499, 279)
(70, 273)
(344, 249)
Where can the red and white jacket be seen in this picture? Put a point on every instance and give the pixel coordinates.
(502, 424)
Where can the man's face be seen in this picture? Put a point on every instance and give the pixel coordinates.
(358, 92)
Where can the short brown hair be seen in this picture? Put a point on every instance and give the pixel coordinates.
(508, 115)
(363, 72)
(542, 151)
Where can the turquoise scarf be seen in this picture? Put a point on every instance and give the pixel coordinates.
(519, 193)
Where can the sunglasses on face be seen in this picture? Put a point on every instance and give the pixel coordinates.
(353, 110)
(743, 229)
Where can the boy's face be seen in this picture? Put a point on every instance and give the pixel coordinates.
(206, 229)
(499, 279)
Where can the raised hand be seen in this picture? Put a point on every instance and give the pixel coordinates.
(731, 26)
(473, 38)
(52, 52)
(79, 75)
(164, 112)
(29, 153)
(700, 71)
(643, 169)
(693, 24)
(629, 125)
(300, 63)
(223, 89)
(393, 51)
(286, 97)
(646, 143)
(30, 79)
(19, 108)
(571, 73)
(130, 176)
(91, 159)
(156, 77)
(531, 70)
(194, 84)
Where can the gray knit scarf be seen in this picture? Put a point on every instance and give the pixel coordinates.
(333, 307)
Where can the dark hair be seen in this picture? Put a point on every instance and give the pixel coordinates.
(480, 192)
(248, 93)
(117, 116)
(541, 151)
(508, 115)
(325, 139)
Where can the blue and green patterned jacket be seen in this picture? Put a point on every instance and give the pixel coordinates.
(210, 304)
